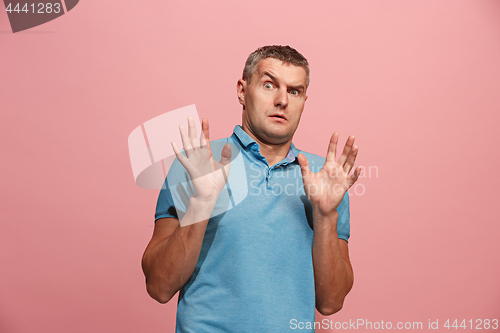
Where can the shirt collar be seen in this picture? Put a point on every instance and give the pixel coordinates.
(248, 142)
(245, 139)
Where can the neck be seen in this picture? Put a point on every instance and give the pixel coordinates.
(273, 152)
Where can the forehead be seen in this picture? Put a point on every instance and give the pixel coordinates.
(290, 74)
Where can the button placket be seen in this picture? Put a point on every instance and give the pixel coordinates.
(268, 178)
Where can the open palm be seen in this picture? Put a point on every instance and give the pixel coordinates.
(207, 175)
(326, 188)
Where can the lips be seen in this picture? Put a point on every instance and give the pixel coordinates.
(278, 116)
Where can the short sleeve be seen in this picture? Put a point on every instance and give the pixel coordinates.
(174, 194)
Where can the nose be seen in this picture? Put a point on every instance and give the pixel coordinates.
(281, 98)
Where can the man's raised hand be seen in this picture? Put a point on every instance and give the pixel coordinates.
(326, 188)
(207, 175)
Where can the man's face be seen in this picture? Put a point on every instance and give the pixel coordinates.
(273, 101)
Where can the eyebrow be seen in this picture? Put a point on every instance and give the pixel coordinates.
(299, 87)
(270, 75)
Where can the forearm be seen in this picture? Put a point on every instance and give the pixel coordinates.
(333, 275)
(169, 264)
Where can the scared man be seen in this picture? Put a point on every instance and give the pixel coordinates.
(268, 260)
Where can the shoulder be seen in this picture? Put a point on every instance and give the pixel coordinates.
(216, 147)
(313, 159)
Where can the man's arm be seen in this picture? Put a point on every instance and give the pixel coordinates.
(333, 274)
(171, 256)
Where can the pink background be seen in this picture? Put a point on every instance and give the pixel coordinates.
(417, 82)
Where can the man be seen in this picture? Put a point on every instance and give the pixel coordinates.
(262, 264)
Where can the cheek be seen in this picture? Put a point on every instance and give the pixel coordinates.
(297, 116)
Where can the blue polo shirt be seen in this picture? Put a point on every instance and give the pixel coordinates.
(254, 272)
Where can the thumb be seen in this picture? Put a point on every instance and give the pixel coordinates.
(225, 155)
(304, 165)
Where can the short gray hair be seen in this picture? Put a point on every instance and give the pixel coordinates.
(284, 53)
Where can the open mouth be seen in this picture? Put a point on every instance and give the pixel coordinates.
(278, 117)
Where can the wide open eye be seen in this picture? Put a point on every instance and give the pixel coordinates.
(268, 85)
(294, 92)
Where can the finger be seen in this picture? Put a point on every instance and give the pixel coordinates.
(351, 159)
(225, 155)
(192, 133)
(205, 140)
(225, 161)
(185, 141)
(347, 150)
(304, 165)
(354, 177)
(178, 153)
(332, 147)
(205, 136)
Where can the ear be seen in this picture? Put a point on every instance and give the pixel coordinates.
(241, 88)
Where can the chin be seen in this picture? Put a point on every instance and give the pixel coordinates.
(278, 137)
